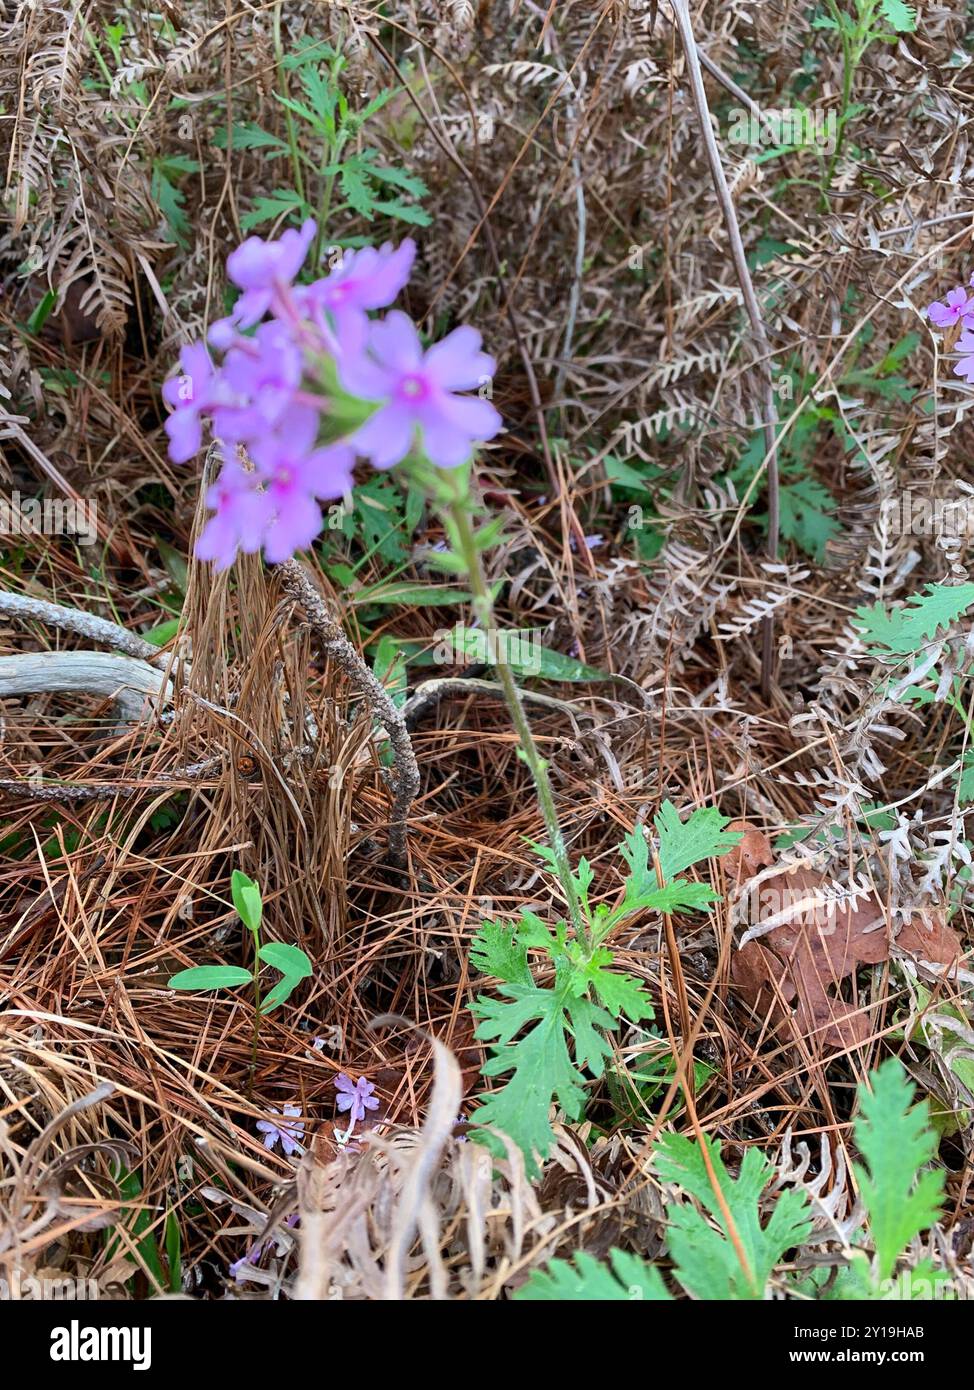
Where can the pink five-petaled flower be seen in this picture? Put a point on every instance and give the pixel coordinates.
(262, 269)
(294, 474)
(956, 306)
(288, 1135)
(418, 393)
(239, 514)
(258, 380)
(355, 1096)
(274, 504)
(365, 279)
(189, 395)
(965, 367)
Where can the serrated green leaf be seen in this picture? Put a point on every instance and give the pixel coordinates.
(706, 1261)
(356, 188)
(404, 212)
(376, 104)
(618, 992)
(541, 1065)
(307, 50)
(298, 108)
(901, 16)
(807, 515)
(399, 178)
(322, 94)
(169, 197)
(903, 631)
(247, 136)
(497, 950)
(685, 843)
(268, 209)
(642, 886)
(629, 1280)
(896, 1139)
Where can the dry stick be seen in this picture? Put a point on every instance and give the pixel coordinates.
(298, 586)
(682, 14)
(132, 684)
(74, 620)
(67, 792)
(429, 694)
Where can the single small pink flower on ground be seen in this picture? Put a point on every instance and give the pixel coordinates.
(288, 1134)
(956, 306)
(355, 1096)
(418, 390)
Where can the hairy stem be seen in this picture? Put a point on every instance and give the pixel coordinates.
(483, 603)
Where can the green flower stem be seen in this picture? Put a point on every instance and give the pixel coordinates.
(292, 138)
(459, 513)
(854, 46)
(255, 1038)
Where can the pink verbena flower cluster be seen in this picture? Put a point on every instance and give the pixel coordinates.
(307, 382)
(957, 308)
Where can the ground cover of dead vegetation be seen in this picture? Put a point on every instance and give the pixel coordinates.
(698, 628)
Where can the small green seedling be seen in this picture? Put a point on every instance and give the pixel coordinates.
(290, 961)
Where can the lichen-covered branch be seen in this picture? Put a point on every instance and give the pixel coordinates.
(74, 620)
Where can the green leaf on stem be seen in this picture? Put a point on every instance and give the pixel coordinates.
(205, 977)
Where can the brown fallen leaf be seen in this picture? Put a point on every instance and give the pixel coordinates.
(790, 976)
(751, 853)
(806, 957)
(933, 941)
